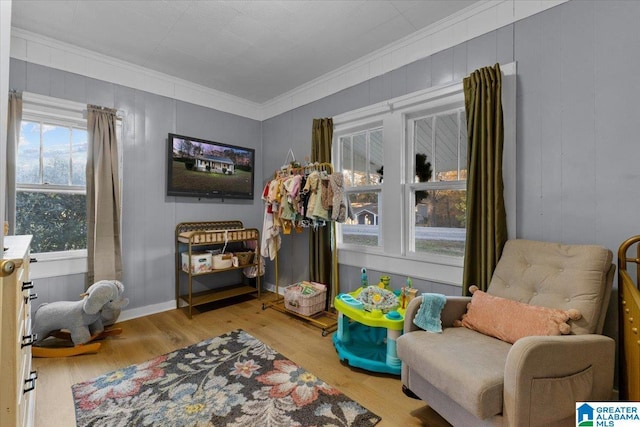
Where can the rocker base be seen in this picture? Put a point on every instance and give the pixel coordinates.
(66, 351)
(88, 348)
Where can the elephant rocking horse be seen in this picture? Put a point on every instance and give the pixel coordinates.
(80, 322)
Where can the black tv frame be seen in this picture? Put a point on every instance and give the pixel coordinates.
(220, 173)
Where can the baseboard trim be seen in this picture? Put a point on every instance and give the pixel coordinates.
(148, 310)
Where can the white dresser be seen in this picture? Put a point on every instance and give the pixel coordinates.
(18, 380)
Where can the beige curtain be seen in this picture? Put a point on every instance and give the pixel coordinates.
(14, 118)
(486, 214)
(103, 197)
(320, 252)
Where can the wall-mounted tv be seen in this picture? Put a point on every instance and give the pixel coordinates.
(200, 168)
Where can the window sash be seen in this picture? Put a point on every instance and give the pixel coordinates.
(52, 188)
(356, 227)
(358, 166)
(452, 237)
(360, 178)
(393, 115)
(70, 153)
(47, 111)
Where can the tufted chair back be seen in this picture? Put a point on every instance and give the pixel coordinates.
(557, 276)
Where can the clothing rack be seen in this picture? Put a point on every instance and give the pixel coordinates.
(326, 320)
(303, 170)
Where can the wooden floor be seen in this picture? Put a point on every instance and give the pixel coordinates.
(151, 336)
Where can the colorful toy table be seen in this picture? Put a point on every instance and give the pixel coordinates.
(367, 339)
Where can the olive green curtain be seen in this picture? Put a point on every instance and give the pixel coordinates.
(104, 260)
(486, 214)
(320, 254)
(14, 120)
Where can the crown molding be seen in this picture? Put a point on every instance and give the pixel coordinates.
(477, 19)
(37, 49)
(473, 21)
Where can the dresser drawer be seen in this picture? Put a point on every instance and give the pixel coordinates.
(24, 354)
(17, 382)
(27, 387)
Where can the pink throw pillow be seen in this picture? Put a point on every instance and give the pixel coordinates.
(510, 320)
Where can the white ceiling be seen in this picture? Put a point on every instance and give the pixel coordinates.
(254, 50)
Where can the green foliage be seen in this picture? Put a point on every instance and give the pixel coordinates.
(423, 172)
(57, 221)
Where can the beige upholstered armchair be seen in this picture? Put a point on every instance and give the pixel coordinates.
(473, 379)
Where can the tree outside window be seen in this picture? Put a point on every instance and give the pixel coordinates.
(51, 185)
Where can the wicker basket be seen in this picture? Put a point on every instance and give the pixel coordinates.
(244, 258)
(221, 261)
(306, 298)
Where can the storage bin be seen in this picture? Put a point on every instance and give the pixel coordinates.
(200, 262)
(244, 258)
(306, 298)
(222, 261)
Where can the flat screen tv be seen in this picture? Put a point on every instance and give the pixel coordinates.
(200, 168)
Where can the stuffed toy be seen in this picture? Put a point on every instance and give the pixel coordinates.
(83, 319)
(110, 312)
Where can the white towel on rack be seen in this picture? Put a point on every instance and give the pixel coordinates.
(270, 236)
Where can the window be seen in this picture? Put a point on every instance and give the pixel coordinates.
(361, 157)
(437, 183)
(51, 183)
(418, 163)
(51, 180)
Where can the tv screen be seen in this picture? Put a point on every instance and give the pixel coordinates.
(200, 168)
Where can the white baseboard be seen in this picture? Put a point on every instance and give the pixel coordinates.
(148, 310)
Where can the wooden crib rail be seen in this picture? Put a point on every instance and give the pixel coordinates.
(629, 321)
(622, 254)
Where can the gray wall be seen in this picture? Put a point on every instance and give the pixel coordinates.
(577, 149)
(293, 130)
(149, 217)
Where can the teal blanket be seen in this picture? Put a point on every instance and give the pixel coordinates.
(428, 315)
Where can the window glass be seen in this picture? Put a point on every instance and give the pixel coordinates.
(79, 157)
(439, 189)
(447, 147)
(423, 145)
(57, 220)
(376, 155)
(50, 185)
(440, 222)
(364, 228)
(345, 143)
(361, 160)
(56, 154)
(28, 162)
(359, 166)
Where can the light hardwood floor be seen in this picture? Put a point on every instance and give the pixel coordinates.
(151, 336)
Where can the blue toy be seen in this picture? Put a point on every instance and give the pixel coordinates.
(367, 339)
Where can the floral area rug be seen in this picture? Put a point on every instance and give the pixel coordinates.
(230, 380)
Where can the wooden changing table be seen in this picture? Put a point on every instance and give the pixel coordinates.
(190, 236)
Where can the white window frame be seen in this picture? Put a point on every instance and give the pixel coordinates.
(411, 186)
(374, 188)
(392, 256)
(64, 112)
